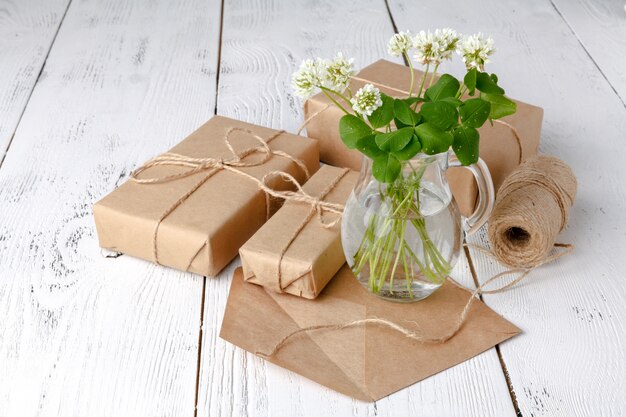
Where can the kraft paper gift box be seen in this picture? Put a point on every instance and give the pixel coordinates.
(366, 362)
(299, 249)
(498, 145)
(198, 213)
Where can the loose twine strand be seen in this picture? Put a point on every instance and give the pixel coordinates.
(545, 188)
(418, 337)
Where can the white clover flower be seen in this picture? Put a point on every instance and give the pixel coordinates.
(366, 100)
(309, 77)
(338, 72)
(433, 48)
(448, 40)
(400, 43)
(476, 50)
(428, 48)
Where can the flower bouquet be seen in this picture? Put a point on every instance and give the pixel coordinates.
(401, 231)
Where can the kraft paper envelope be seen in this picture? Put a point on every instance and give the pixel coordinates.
(367, 362)
(498, 147)
(204, 233)
(307, 253)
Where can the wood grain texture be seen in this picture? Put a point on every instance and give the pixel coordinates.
(27, 29)
(263, 43)
(600, 26)
(82, 334)
(570, 360)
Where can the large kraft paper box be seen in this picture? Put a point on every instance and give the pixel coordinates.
(498, 146)
(207, 225)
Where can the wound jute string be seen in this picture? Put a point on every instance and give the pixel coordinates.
(531, 209)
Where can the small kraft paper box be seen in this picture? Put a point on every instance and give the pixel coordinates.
(499, 147)
(299, 249)
(193, 207)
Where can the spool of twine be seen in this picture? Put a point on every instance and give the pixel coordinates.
(531, 209)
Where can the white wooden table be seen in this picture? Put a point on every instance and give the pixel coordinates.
(89, 89)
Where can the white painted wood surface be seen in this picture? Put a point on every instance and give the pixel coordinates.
(571, 358)
(600, 26)
(27, 29)
(81, 334)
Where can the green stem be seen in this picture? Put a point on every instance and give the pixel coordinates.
(406, 56)
(432, 77)
(419, 94)
(461, 91)
(325, 91)
(335, 92)
(384, 246)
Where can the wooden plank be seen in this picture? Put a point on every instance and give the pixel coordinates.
(600, 27)
(262, 46)
(81, 334)
(570, 360)
(27, 29)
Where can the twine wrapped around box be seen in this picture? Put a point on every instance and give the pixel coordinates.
(211, 166)
(293, 253)
(193, 207)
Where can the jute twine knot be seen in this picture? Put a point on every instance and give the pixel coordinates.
(318, 205)
(531, 209)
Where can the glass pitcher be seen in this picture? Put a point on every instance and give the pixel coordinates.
(402, 239)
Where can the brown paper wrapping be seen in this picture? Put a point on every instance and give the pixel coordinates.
(367, 362)
(498, 146)
(314, 256)
(204, 233)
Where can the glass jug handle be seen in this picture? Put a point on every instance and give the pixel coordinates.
(486, 194)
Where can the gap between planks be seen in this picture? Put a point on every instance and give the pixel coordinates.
(195, 408)
(217, 86)
(582, 45)
(219, 61)
(30, 93)
(505, 371)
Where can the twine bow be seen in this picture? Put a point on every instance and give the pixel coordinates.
(317, 206)
(212, 166)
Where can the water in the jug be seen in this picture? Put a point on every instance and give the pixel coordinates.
(441, 218)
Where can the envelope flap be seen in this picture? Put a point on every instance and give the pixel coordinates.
(254, 322)
(375, 359)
